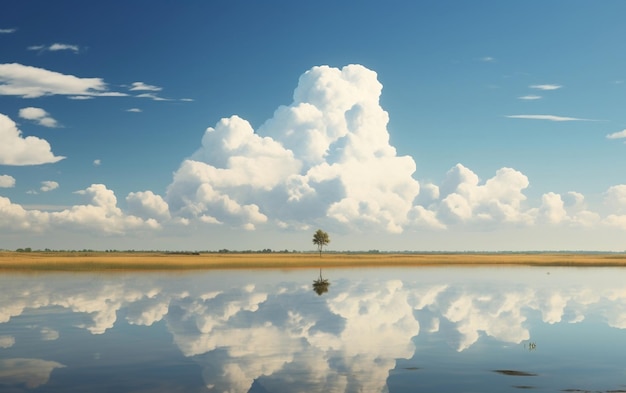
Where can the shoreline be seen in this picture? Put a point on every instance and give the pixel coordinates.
(162, 261)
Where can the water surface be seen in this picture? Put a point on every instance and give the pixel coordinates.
(368, 330)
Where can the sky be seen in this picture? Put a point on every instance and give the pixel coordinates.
(243, 125)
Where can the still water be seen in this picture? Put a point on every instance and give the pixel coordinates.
(368, 330)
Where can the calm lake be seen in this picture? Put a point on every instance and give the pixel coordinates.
(369, 330)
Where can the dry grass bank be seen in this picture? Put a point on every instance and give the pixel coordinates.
(93, 261)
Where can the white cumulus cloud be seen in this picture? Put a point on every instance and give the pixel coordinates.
(499, 199)
(18, 150)
(578, 214)
(615, 198)
(39, 116)
(617, 135)
(568, 209)
(147, 205)
(49, 185)
(552, 208)
(616, 220)
(7, 181)
(14, 217)
(100, 215)
(325, 156)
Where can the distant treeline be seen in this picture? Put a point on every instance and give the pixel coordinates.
(176, 252)
(285, 251)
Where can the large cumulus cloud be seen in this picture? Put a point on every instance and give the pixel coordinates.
(325, 155)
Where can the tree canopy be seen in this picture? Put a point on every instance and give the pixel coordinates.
(320, 239)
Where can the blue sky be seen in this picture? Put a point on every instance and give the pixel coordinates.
(443, 125)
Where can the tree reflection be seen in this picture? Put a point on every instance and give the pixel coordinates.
(320, 285)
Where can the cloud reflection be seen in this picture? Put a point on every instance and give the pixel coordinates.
(280, 335)
(29, 372)
(7, 341)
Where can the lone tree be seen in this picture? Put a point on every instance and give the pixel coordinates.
(320, 239)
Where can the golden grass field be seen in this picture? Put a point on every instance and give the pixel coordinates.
(94, 261)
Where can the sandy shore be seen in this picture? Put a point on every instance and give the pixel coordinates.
(81, 261)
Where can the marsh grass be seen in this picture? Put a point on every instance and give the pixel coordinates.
(93, 261)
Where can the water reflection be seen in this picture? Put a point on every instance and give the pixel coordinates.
(320, 285)
(28, 372)
(378, 330)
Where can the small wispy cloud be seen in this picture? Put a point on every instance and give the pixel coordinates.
(32, 82)
(112, 94)
(617, 135)
(55, 47)
(135, 110)
(151, 93)
(546, 87)
(39, 116)
(140, 86)
(7, 31)
(548, 117)
(152, 96)
(488, 59)
(530, 97)
(49, 185)
(97, 162)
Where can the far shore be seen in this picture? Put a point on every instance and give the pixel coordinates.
(119, 261)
